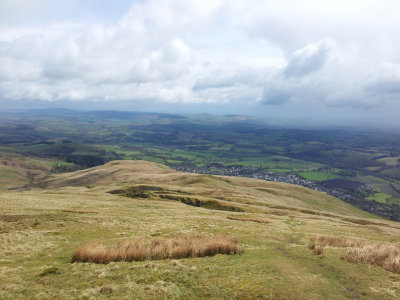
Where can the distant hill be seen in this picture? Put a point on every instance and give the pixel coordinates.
(101, 114)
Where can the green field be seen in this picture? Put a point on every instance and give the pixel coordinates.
(379, 197)
(317, 175)
(279, 170)
(393, 172)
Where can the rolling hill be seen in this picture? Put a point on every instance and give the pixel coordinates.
(40, 228)
(247, 194)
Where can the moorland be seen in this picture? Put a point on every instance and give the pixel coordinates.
(87, 235)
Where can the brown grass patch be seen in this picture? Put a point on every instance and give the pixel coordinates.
(249, 219)
(81, 211)
(385, 256)
(318, 250)
(140, 249)
(359, 251)
(335, 241)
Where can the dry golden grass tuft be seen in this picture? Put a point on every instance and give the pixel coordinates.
(318, 250)
(248, 219)
(139, 249)
(358, 251)
(81, 211)
(385, 256)
(334, 241)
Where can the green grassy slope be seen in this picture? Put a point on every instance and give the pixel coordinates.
(38, 234)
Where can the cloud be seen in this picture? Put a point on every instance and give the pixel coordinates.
(228, 78)
(384, 80)
(18, 10)
(299, 80)
(144, 46)
(209, 51)
(311, 78)
(384, 86)
(365, 25)
(309, 59)
(275, 95)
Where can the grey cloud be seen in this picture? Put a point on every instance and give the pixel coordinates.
(334, 85)
(275, 96)
(280, 92)
(284, 85)
(384, 79)
(384, 86)
(216, 80)
(309, 59)
(19, 10)
(230, 94)
(383, 82)
(224, 78)
(291, 83)
(371, 27)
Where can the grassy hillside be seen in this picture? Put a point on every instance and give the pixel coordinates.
(41, 228)
(17, 171)
(248, 194)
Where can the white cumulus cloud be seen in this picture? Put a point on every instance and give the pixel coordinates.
(307, 52)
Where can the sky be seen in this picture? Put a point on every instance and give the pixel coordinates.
(310, 61)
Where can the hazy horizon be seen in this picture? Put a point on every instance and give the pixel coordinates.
(306, 62)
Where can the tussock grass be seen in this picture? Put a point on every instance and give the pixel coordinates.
(386, 256)
(140, 249)
(80, 211)
(334, 241)
(248, 219)
(318, 250)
